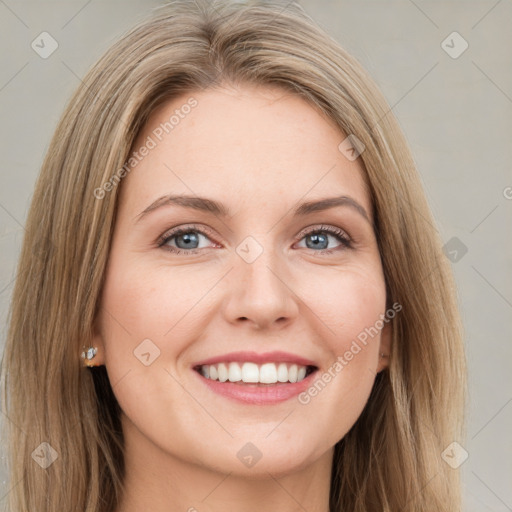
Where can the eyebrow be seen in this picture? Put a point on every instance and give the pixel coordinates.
(211, 206)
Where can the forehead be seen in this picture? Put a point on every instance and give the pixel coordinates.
(255, 146)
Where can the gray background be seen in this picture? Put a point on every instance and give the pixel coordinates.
(455, 112)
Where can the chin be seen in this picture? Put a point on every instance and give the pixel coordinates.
(256, 459)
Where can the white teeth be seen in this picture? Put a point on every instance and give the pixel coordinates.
(267, 373)
(223, 372)
(282, 373)
(235, 372)
(250, 372)
(292, 373)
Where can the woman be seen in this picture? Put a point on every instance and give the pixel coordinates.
(182, 335)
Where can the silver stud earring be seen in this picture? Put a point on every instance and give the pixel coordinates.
(88, 354)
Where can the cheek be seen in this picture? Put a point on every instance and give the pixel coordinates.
(348, 304)
(351, 308)
(145, 327)
(159, 304)
(149, 318)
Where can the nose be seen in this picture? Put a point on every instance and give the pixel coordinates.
(261, 293)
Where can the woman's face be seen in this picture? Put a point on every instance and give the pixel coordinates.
(259, 275)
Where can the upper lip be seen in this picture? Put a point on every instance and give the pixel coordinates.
(254, 357)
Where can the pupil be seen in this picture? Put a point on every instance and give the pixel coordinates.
(188, 238)
(316, 239)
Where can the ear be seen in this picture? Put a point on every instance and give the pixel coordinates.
(384, 347)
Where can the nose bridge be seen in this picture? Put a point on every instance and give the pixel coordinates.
(258, 263)
(259, 282)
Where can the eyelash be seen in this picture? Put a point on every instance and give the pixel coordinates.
(338, 233)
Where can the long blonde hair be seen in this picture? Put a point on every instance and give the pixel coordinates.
(391, 459)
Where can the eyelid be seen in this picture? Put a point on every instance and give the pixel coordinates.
(314, 228)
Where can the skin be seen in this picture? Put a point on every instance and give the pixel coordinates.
(260, 151)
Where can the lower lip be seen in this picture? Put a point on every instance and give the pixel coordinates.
(259, 394)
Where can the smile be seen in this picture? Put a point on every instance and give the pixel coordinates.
(255, 378)
(252, 373)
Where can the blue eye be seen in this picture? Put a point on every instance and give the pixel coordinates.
(320, 237)
(186, 239)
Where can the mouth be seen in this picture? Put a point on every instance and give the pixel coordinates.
(250, 373)
(257, 383)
